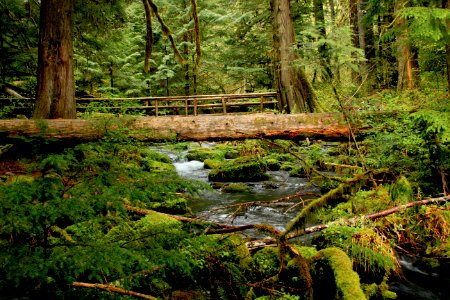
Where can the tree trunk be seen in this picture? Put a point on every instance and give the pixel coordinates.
(406, 54)
(446, 4)
(295, 92)
(186, 40)
(353, 12)
(187, 128)
(319, 17)
(55, 83)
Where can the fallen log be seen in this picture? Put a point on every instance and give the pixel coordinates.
(185, 128)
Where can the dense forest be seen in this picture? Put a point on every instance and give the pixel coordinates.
(111, 216)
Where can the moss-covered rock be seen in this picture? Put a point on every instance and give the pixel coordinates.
(236, 188)
(240, 169)
(212, 163)
(287, 166)
(334, 277)
(201, 154)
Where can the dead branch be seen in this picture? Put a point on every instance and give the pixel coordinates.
(112, 289)
(252, 203)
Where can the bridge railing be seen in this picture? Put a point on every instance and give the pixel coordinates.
(224, 103)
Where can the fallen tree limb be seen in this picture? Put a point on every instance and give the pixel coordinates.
(112, 289)
(251, 203)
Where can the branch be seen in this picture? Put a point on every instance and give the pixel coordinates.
(287, 198)
(166, 32)
(112, 289)
(149, 36)
(197, 35)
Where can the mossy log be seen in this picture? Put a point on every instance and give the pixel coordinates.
(185, 128)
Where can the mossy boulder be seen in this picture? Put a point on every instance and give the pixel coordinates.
(287, 166)
(240, 169)
(201, 154)
(175, 205)
(274, 161)
(148, 164)
(236, 188)
(212, 163)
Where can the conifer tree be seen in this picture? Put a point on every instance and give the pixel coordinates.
(295, 92)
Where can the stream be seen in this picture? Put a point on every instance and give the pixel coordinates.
(414, 284)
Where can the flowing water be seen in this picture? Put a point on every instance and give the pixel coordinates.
(415, 284)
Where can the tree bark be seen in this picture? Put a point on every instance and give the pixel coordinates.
(186, 128)
(295, 92)
(55, 85)
(406, 55)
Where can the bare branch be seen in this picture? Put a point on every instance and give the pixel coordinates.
(112, 289)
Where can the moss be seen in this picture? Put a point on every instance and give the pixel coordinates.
(298, 171)
(329, 198)
(297, 273)
(366, 202)
(156, 166)
(306, 252)
(344, 281)
(201, 154)
(272, 164)
(236, 188)
(240, 169)
(176, 205)
(401, 191)
(287, 166)
(212, 163)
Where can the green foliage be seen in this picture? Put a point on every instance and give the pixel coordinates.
(265, 264)
(69, 223)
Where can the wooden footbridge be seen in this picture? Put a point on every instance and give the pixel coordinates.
(156, 106)
(181, 118)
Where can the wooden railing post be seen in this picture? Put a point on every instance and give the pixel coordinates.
(186, 106)
(156, 107)
(224, 105)
(261, 104)
(195, 106)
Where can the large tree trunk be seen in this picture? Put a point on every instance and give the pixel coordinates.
(55, 85)
(295, 92)
(187, 128)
